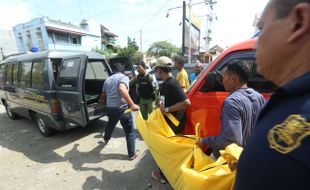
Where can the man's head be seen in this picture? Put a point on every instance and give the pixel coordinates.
(282, 50)
(179, 62)
(118, 68)
(141, 67)
(163, 67)
(198, 68)
(235, 75)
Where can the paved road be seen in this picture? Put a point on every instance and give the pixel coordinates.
(70, 160)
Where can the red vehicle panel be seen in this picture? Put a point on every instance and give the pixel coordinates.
(206, 105)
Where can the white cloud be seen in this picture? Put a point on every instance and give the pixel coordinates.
(64, 1)
(133, 1)
(13, 14)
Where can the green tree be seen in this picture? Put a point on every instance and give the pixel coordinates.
(108, 53)
(163, 48)
(131, 43)
(131, 51)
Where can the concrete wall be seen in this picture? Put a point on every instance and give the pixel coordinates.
(31, 26)
(7, 43)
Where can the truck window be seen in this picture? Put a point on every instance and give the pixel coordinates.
(69, 73)
(96, 70)
(25, 74)
(255, 81)
(15, 73)
(37, 80)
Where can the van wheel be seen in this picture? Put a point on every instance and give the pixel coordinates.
(10, 113)
(42, 126)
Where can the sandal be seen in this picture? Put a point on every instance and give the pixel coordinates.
(135, 156)
(156, 175)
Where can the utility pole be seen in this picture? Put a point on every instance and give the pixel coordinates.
(210, 15)
(189, 32)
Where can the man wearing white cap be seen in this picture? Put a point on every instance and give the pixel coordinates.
(172, 100)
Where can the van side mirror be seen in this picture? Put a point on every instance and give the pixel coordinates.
(213, 82)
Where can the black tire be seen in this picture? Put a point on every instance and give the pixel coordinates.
(42, 126)
(10, 113)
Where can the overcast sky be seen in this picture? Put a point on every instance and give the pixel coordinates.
(128, 17)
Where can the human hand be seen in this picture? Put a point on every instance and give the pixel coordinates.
(135, 107)
(233, 166)
(162, 107)
(199, 143)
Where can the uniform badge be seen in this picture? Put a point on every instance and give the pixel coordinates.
(288, 135)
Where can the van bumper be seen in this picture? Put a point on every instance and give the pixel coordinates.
(55, 122)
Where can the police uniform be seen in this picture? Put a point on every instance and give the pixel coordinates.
(146, 90)
(278, 153)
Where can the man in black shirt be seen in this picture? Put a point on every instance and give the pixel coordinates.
(172, 97)
(172, 100)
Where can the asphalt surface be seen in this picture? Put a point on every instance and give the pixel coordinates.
(71, 160)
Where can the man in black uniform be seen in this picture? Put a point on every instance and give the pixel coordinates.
(146, 89)
(278, 153)
(172, 99)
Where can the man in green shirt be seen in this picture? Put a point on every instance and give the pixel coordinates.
(146, 89)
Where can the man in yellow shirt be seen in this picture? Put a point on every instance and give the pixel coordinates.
(182, 76)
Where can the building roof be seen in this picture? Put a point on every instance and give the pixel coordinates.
(56, 29)
(105, 30)
(216, 48)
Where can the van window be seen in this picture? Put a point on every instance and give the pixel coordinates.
(1, 75)
(56, 63)
(9, 70)
(96, 70)
(37, 80)
(25, 74)
(15, 73)
(69, 73)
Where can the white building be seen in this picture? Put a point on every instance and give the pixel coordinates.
(46, 34)
(7, 43)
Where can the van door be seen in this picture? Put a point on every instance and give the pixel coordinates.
(206, 102)
(69, 89)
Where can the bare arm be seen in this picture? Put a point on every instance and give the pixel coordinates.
(102, 98)
(178, 106)
(124, 93)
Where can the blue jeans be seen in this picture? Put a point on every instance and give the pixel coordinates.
(115, 115)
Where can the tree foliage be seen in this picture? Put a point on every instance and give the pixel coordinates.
(163, 48)
(131, 50)
(108, 53)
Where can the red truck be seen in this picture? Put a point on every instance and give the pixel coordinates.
(207, 94)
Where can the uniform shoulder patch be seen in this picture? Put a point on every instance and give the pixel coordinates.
(288, 135)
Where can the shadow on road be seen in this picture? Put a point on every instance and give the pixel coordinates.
(130, 180)
(22, 136)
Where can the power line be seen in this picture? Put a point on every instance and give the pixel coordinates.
(153, 16)
(155, 13)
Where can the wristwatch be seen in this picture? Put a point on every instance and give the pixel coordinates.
(167, 109)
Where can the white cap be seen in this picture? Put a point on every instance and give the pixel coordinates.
(164, 61)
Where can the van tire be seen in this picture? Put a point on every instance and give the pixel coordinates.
(10, 113)
(42, 126)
